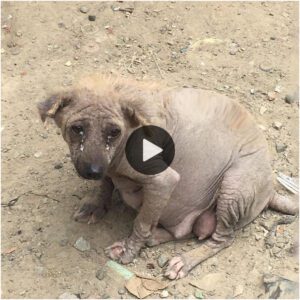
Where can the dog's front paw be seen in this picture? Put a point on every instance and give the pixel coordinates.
(89, 213)
(124, 251)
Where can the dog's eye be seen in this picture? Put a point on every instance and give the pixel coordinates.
(77, 129)
(114, 132)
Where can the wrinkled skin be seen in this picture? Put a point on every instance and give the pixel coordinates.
(217, 185)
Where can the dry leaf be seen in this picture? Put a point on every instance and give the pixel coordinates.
(142, 286)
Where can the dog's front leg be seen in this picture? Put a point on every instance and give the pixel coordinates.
(157, 191)
(96, 202)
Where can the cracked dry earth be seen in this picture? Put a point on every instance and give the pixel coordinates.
(248, 51)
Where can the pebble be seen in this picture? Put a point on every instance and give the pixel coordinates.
(83, 9)
(37, 154)
(92, 18)
(233, 51)
(262, 110)
(162, 260)
(271, 96)
(198, 294)
(100, 274)
(67, 296)
(58, 166)
(265, 67)
(252, 91)
(239, 289)
(68, 64)
(280, 147)
(277, 125)
(63, 242)
(289, 99)
(164, 294)
(82, 245)
(121, 291)
(277, 89)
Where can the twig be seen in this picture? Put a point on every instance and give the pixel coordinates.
(156, 63)
(14, 200)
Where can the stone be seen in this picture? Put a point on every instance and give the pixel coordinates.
(82, 245)
(37, 154)
(265, 67)
(280, 147)
(68, 64)
(164, 294)
(92, 18)
(198, 294)
(162, 260)
(238, 290)
(289, 99)
(277, 125)
(58, 166)
(101, 273)
(83, 9)
(271, 96)
(121, 291)
(262, 110)
(280, 287)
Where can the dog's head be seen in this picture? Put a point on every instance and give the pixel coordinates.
(95, 118)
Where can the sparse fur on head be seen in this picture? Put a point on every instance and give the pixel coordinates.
(96, 103)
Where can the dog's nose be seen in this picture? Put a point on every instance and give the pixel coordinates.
(94, 172)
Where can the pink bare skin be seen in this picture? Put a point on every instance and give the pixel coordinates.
(217, 185)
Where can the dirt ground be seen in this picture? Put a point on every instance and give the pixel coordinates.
(248, 51)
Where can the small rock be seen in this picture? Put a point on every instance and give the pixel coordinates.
(238, 290)
(37, 154)
(18, 33)
(262, 110)
(280, 147)
(162, 260)
(121, 291)
(280, 287)
(278, 89)
(83, 9)
(101, 273)
(67, 296)
(289, 99)
(198, 294)
(277, 125)
(265, 67)
(82, 245)
(164, 294)
(58, 166)
(271, 96)
(252, 91)
(92, 18)
(233, 51)
(63, 242)
(68, 64)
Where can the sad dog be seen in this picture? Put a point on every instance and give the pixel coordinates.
(219, 181)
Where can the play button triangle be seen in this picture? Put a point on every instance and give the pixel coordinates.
(150, 150)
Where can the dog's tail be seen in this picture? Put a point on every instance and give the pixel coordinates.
(284, 204)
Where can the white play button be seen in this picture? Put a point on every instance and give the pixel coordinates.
(150, 150)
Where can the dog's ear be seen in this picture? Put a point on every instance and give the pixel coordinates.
(52, 106)
(133, 116)
(135, 112)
